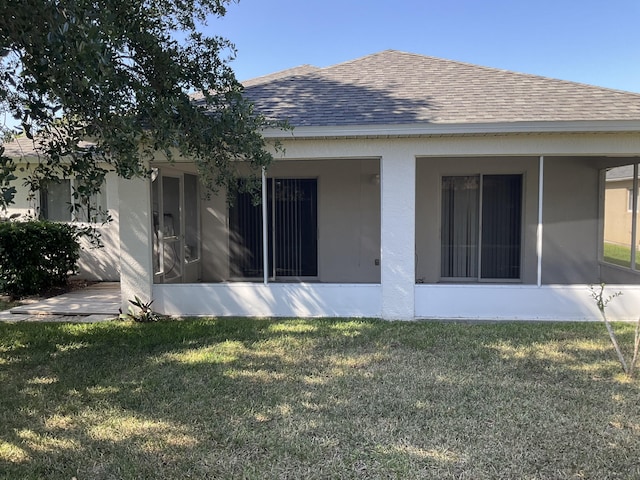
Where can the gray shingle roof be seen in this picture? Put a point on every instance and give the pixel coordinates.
(624, 172)
(393, 87)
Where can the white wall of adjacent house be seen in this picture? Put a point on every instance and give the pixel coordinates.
(102, 263)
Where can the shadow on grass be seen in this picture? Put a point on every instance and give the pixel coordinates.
(242, 398)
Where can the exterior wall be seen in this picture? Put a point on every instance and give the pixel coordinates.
(428, 207)
(274, 300)
(215, 238)
(523, 302)
(94, 263)
(348, 221)
(565, 166)
(23, 204)
(571, 225)
(570, 233)
(438, 302)
(618, 217)
(103, 263)
(398, 236)
(136, 236)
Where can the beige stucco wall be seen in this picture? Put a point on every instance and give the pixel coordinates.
(348, 220)
(617, 217)
(571, 226)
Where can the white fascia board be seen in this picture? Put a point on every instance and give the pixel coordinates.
(601, 126)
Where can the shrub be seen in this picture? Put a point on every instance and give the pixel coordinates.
(36, 256)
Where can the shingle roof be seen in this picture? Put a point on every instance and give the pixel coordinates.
(393, 87)
(624, 172)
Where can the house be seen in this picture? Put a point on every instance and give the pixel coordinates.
(52, 203)
(619, 227)
(410, 187)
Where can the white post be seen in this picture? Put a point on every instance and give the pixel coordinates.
(398, 199)
(265, 243)
(136, 240)
(539, 229)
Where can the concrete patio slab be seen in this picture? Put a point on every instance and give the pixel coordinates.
(100, 301)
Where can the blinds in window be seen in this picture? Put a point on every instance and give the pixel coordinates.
(292, 230)
(481, 226)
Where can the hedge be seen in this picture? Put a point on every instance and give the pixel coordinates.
(36, 256)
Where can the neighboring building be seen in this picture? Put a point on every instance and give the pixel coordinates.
(620, 239)
(53, 204)
(410, 187)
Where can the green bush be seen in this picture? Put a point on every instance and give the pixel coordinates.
(36, 256)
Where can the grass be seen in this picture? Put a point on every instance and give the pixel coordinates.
(618, 254)
(315, 399)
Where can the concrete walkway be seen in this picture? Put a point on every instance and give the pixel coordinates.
(98, 302)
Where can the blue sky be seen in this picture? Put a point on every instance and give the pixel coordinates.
(596, 42)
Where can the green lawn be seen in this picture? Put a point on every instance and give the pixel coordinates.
(312, 399)
(618, 254)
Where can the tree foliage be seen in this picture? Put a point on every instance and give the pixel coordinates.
(121, 82)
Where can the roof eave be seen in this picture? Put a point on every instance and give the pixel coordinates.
(437, 129)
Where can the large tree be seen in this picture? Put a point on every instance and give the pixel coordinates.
(121, 82)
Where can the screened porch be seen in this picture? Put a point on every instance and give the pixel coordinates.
(314, 221)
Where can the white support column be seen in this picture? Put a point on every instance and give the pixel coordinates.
(398, 199)
(136, 265)
(540, 209)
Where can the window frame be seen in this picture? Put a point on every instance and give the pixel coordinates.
(630, 199)
(274, 240)
(478, 278)
(634, 202)
(99, 201)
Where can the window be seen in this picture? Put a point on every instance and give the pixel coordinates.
(58, 205)
(55, 201)
(292, 230)
(481, 227)
(630, 200)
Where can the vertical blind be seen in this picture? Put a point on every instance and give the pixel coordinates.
(292, 230)
(295, 227)
(501, 226)
(460, 226)
(481, 226)
(245, 237)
